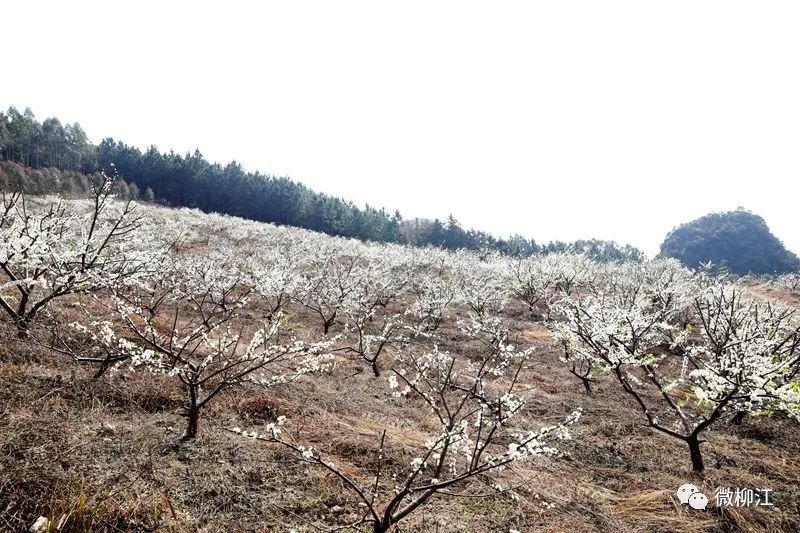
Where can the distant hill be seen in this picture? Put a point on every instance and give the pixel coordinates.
(738, 241)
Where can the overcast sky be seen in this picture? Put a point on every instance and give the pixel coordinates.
(556, 120)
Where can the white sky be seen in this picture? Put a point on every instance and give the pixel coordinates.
(557, 120)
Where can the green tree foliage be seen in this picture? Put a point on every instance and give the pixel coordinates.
(49, 144)
(737, 241)
(58, 151)
(14, 176)
(596, 249)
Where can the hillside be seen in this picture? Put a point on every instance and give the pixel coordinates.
(38, 153)
(200, 372)
(738, 241)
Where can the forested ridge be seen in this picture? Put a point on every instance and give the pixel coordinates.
(49, 156)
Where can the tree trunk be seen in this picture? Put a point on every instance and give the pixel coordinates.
(192, 415)
(585, 379)
(375, 369)
(100, 371)
(694, 451)
(738, 418)
(23, 328)
(194, 421)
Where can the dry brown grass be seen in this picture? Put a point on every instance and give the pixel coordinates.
(767, 292)
(104, 455)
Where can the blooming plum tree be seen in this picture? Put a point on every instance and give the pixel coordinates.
(48, 251)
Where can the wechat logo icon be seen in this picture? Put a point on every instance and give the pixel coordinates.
(690, 495)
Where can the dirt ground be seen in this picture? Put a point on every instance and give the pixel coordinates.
(105, 455)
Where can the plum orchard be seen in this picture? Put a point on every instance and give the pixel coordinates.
(698, 344)
(479, 432)
(205, 299)
(789, 282)
(51, 249)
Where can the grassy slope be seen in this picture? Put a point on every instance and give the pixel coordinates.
(106, 454)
